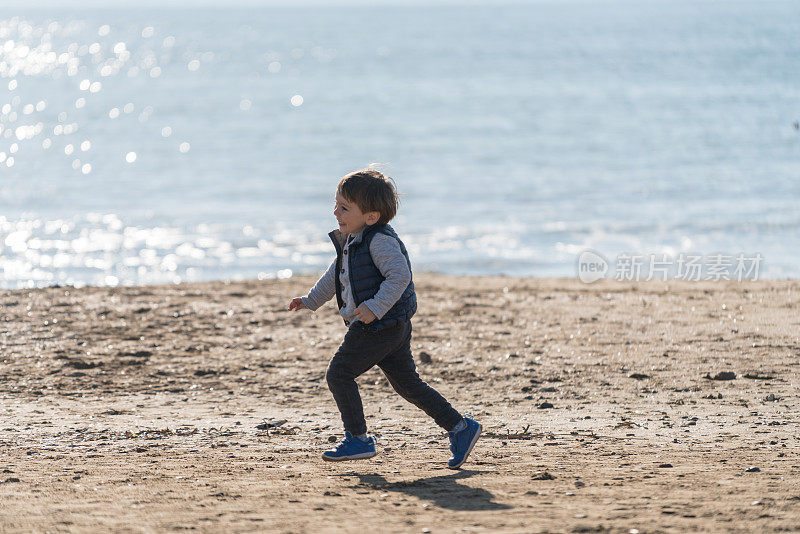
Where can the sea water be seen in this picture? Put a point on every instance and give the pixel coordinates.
(166, 145)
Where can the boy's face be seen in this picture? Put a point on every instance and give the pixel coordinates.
(351, 219)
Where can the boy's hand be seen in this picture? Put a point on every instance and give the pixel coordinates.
(365, 314)
(297, 304)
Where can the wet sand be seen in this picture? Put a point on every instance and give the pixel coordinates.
(606, 407)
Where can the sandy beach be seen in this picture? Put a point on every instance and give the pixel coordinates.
(655, 406)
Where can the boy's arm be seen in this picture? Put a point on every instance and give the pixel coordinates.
(390, 261)
(323, 291)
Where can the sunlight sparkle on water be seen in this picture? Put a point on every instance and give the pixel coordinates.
(130, 157)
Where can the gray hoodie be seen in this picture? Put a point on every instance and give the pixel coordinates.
(390, 261)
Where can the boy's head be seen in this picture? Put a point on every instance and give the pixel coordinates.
(373, 196)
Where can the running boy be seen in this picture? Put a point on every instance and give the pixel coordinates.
(371, 280)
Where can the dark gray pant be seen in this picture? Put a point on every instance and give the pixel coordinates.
(389, 349)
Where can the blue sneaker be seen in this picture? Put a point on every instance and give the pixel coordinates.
(462, 443)
(351, 448)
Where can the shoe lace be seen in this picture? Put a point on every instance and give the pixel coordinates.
(344, 442)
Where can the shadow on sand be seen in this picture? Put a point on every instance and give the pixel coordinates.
(444, 491)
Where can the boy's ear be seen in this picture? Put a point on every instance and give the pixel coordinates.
(373, 217)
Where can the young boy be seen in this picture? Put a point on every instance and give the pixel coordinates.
(371, 279)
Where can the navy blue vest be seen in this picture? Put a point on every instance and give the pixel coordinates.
(366, 278)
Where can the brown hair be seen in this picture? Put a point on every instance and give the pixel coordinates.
(371, 190)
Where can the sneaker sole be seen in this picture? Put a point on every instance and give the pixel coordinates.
(362, 456)
(469, 450)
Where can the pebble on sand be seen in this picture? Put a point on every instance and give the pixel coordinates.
(265, 424)
(724, 375)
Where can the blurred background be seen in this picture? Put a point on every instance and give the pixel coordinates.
(172, 142)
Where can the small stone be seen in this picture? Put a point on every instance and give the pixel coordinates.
(544, 406)
(331, 439)
(638, 376)
(265, 424)
(664, 466)
(752, 470)
(424, 357)
(579, 484)
(542, 475)
(12, 479)
(770, 397)
(724, 375)
(758, 376)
